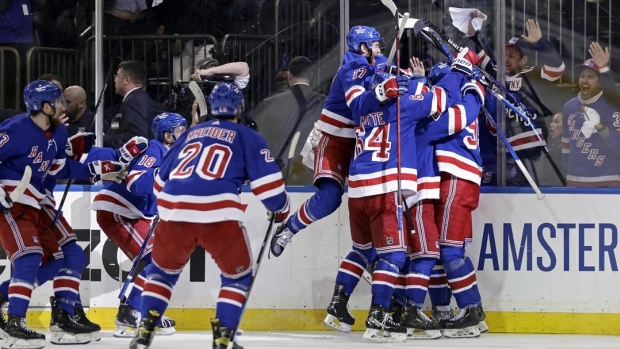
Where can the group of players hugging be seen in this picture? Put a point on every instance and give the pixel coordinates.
(437, 172)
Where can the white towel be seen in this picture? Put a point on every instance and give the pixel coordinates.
(462, 16)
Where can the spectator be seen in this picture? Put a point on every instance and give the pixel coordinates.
(280, 117)
(135, 113)
(80, 117)
(590, 139)
(554, 145)
(282, 81)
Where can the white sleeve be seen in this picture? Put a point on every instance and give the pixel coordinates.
(242, 81)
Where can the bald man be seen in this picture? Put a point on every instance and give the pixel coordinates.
(80, 117)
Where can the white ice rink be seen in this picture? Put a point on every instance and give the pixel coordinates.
(332, 340)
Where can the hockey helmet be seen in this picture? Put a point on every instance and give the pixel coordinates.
(39, 92)
(225, 99)
(166, 122)
(378, 78)
(438, 71)
(361, 34)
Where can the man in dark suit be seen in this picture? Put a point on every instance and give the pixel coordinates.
(136, 112)
(283, 115)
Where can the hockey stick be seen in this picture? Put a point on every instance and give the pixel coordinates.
(134, 267)
(426, 27)
(272, 218)
(21, 186)
(200, 98)
(291, 154)
(399, 190)
(400, 32)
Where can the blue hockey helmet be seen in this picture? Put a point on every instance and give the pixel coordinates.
(438, 71)
(361, 34)
(166, 122)
(39, 92)
(225, 99)
(378, 78)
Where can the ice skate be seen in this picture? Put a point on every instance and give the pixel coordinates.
(145, 332)
(442, 313)
(20, 336)
(3, 303)
(221, 336)
(65, 329)
(338, 316)
(126, 321)
(166, 326)
(482, 325)
(420, 326)
(462, 325)
(280, 239)
(80, 317)
(380, 327)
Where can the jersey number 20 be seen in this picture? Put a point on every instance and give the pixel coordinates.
(212, 161)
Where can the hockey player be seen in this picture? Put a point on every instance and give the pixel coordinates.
(197, 188)
(331, 163)
(124, 213)
(36, 140)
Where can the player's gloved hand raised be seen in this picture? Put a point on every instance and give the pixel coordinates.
(476, 88)
(282, 214)
(393, 87)
(465, 61)
(107, 171)
(132, 148)
(5, 201)
(80, 143)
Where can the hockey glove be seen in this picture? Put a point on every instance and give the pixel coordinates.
(476, 88)
(5, 201)
(465, 61)
(282, 215)
(79, 144)
(592, 115)
(391, 88)
(132, 148)
(107, 171)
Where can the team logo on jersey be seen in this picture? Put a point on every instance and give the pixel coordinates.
(389, 241)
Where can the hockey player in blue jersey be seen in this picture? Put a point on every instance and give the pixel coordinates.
(197, 189)
(37, 140)
(125, 211)
(332, 156)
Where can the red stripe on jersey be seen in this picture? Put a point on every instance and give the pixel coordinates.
(353, 91)
(140, 281)
(527, 140)
(20, 290)
(428, 185)
(303, 215)
(108, 198)
(234, 296)
(462, 165)
(157, 186)
(131, 177)
(268, 186)
(438, 92)
(353, 268)
(463, 283)
(401, 280)
(157, 289)
(565, 145)
(555, 74)
(68, 283)
(331, 121)
(244, 206)
(358, 183)
(441, 280)
(211, 206)
(384, 277)
(458, 124)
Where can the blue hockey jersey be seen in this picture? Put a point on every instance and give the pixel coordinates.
(200, 178)
(374, 168)
(352, 79)
(23, 143)
(134, 198)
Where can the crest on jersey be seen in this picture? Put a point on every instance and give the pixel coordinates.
(389, 241)
(240, 269)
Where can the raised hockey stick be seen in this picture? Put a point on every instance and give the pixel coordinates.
(399, 190)
(401, 30)
(134, 267)
(438, 39)
(272, 217)
(291, 154)
(21, 186)
(199, 96)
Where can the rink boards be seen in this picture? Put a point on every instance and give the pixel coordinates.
(545, 266)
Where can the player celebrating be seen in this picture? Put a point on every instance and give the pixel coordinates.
(124, 213)
(198, 187)
(36, 140)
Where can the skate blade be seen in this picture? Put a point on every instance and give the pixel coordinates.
(13, 343)
(62, 337)
(166, 331)
(482, 326)
(381, 336)
(467, 332)
(333, 323)
(412, 333)
(367, 276)
(124, 332)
